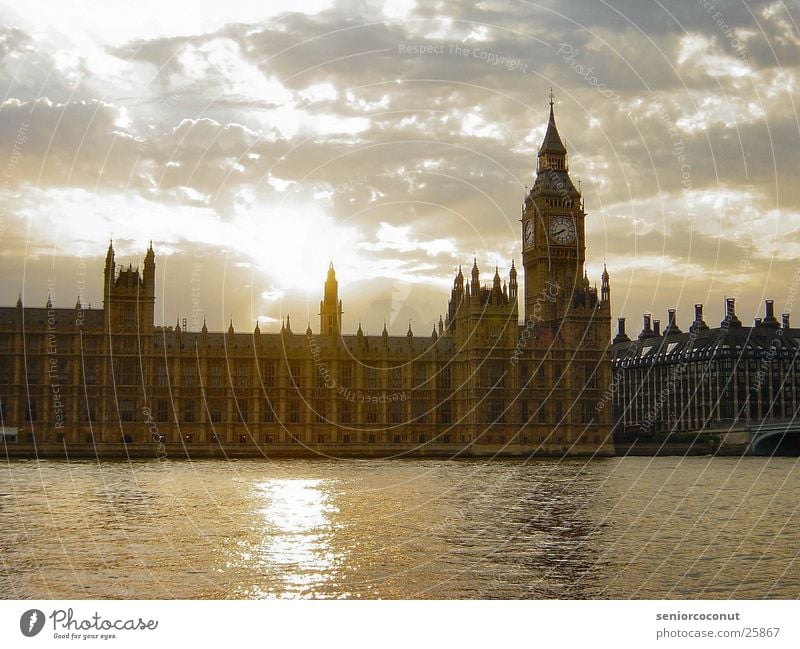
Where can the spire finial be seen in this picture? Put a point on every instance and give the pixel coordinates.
(551, 97)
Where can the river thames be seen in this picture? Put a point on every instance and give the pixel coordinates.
(611, 528)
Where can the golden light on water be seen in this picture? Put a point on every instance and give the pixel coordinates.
(296, 535)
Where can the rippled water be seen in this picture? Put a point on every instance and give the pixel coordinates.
(616, 528)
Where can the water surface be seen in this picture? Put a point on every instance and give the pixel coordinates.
(610, 528)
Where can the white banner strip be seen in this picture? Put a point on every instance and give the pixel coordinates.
(352, 624)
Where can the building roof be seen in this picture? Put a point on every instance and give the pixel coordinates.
(720, 342)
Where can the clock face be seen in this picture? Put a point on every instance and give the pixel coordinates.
(562, 230)
(529, 233)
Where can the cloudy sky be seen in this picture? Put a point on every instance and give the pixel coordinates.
(255, 141)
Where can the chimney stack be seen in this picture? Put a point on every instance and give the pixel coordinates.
(730, 314)
(785, 320)
(769, 319)
(672, 325)
(698, 324)
(657, 327)
(621, 336)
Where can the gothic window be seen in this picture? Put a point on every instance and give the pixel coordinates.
(345, 412)
(269, 373)
(294, 374)
(495, 411)
(189, 369)
(444, 378)
(89, 410)
(127, 410)
(125, 371)
(30, 411)
(372, 413)
(162, 410)
(4, 371)
(243, 375)
(215, 374)
(420, 375)
(162, 377)
(188, 411)
(129, 316)
(372, 378)
(244, 410)
(444, 412)
(89, 370)
(33, 367)
(346, 374)
(294, 411)
(420, 409)
(215, 410)
(319, 411)
(396, 412)
(396, 378)
(267, 414)
(495, 373)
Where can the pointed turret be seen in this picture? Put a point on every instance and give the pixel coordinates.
(204, 330)
(19, 301)
(441, 325)
(149, 276)
(257, 330)
(360, 332)
(605, 287)
(512, 282)
(230, 327)
(552, 153)
(49, 301)
(409, 333)
(458, 283)
(385, 334)
(308, 330)
(330, 308)
(288, 324)
(476, 278)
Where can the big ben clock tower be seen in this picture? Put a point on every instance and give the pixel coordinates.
(553, 243)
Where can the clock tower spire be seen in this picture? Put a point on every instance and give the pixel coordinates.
(552, 231)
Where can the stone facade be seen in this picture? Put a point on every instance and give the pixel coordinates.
(482, 378)
(705, 379)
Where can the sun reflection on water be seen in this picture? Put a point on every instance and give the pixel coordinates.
(294, 544)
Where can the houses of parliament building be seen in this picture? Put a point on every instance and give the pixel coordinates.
(484, 381)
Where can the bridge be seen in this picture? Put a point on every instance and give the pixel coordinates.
(775, 438)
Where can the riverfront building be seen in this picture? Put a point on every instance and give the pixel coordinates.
(731, 378)
(482, 381)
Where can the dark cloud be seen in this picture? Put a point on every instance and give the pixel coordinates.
(663, 105)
